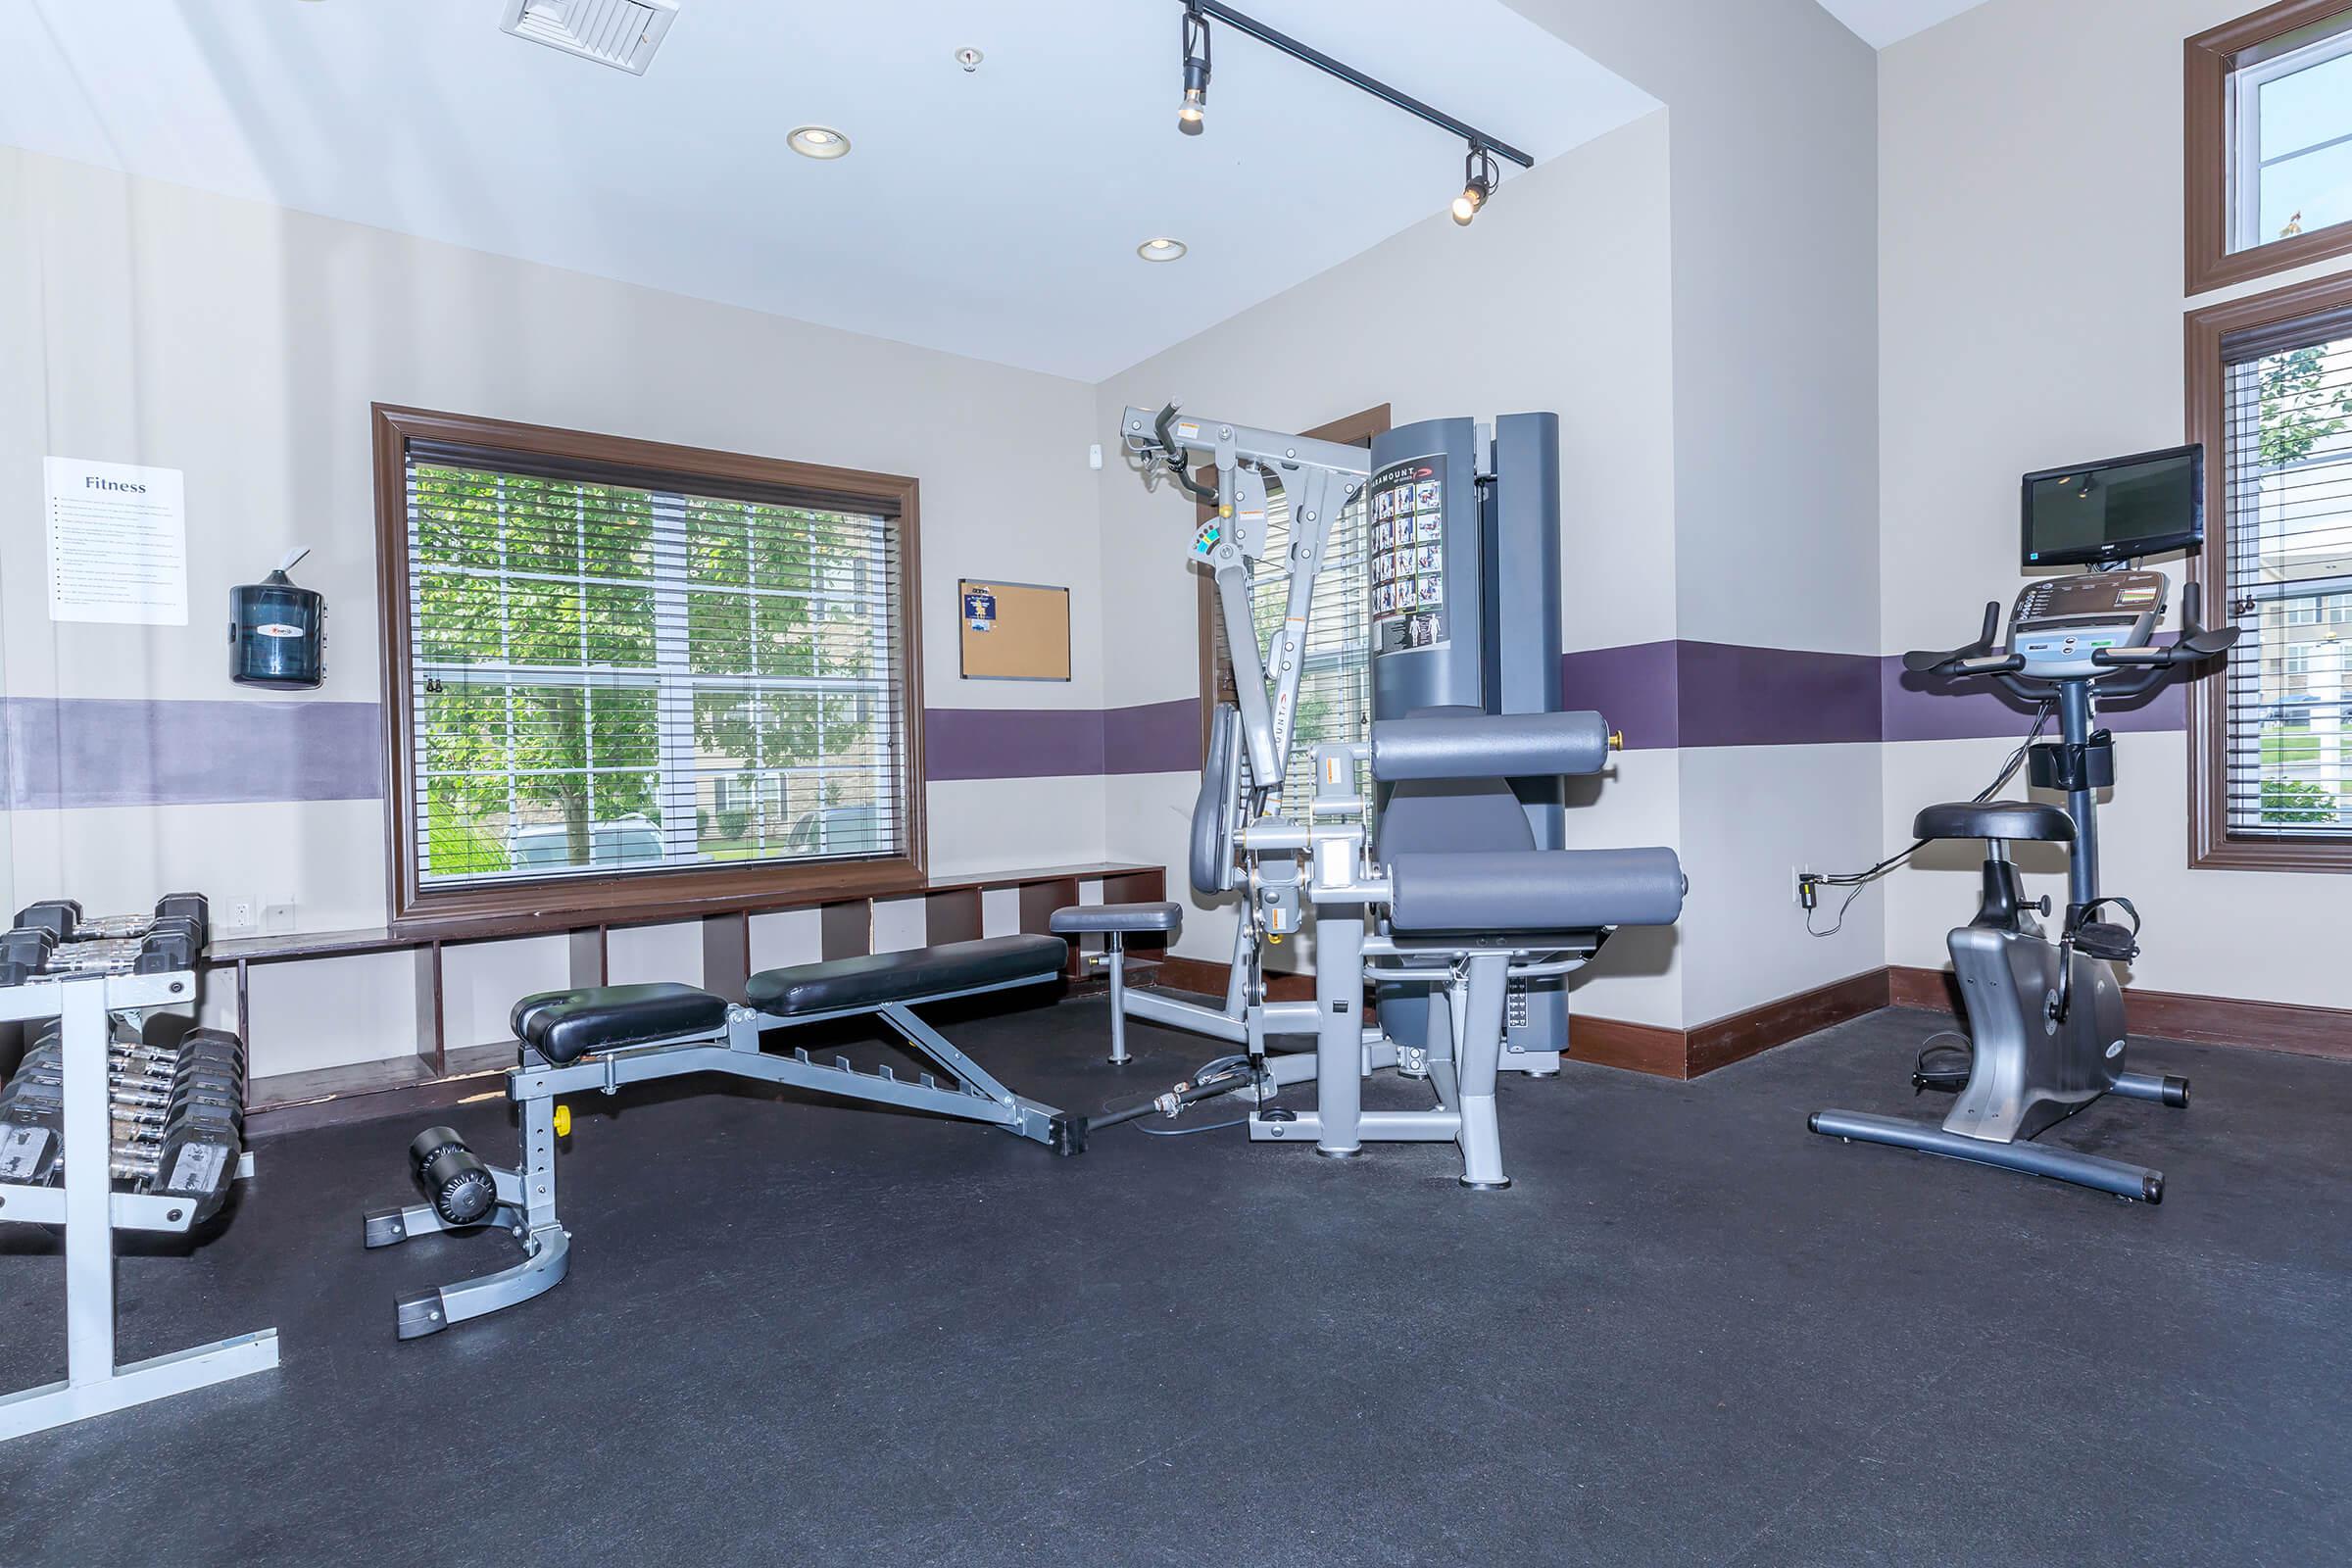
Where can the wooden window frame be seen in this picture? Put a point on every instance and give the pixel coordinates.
(560, 903)
(2211, 846)
(2211, 57)
(1216, 674)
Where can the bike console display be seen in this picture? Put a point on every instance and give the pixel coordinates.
(2060, 623)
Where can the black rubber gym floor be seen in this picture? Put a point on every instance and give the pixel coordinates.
(1692, 1333)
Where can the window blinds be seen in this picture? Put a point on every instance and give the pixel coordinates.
(616, 677)
(2288, 579)
(1335, 689)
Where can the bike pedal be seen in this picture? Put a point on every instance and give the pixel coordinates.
(2102, 940)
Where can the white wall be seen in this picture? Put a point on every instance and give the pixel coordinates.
(1557, 298)
(2030, 315)
(145, 323)
(1774, 214)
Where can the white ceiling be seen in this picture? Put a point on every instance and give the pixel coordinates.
(1880, 22)
(992, 215)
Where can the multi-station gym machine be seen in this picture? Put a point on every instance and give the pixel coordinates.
(1448, 894)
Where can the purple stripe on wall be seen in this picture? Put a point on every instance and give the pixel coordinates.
(1153, 738)
(1634, 687)
(1734, 696)
(68, 752)
(974, 743)
(104, 751)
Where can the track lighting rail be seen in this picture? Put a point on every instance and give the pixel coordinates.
(1477, 138)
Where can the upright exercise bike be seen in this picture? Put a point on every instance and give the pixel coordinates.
(2047, 1019)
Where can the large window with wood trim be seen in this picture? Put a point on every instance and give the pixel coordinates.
(2271, 396)
(628, 675)
(2268, 100)
(1335, 689)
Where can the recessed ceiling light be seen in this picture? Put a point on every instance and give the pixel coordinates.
(1160, 250)
(818, 141)
(969, 57)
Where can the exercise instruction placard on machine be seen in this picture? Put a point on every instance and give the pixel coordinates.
(117, 543)
(1409, 608)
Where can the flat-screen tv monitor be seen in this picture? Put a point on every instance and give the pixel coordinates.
(2118, 510)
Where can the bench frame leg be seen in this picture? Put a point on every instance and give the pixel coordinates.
(526, 1212)
(525, 1207)
(1114, 965)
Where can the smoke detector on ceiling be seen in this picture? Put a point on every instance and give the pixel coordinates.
(613, 32)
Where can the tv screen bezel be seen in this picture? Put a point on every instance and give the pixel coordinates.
(2190, 538)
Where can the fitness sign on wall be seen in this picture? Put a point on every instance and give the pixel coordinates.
(1409, 608)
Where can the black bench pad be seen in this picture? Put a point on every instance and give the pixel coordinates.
(915, 975)
(1074, 919)
(566, 1025)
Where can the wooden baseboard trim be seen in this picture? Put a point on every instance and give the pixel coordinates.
(2175, 1015)
(1649, 1048)
(1758, 1029)
(1203, 978)
(1685, 1054)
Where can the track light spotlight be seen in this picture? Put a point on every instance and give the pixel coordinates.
(1192, 116)
(1478, 184)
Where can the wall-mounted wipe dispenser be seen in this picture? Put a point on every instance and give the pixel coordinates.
(278, 632)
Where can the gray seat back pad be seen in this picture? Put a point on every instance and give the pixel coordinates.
(1490, 746)
(1211, 847)
(1535, 890)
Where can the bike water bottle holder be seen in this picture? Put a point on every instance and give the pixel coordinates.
(2059, 765)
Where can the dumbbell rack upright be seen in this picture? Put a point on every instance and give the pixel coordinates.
(91, 1211)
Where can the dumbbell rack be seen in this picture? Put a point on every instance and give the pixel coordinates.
(87, 1206)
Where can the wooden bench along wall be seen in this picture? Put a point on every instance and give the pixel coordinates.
(952, 912)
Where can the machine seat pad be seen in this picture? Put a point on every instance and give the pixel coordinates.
(1995, 820)
(918, 974)
(566, 1025)
(1076, 918)
(1535, 890)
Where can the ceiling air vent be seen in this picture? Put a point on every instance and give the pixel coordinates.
(616, 33)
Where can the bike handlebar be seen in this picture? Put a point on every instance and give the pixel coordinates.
(1982, 658)
(1956, 660)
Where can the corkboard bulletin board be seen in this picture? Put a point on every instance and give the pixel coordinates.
(1023, 634)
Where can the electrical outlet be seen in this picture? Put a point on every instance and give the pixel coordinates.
(277, 920)
(242, 913)
(1803, 885)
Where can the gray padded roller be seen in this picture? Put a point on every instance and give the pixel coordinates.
(1535, 890)
(1490, 746)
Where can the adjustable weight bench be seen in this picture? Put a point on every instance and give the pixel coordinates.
(600, 1036)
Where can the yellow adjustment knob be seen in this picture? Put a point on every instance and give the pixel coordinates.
(1274, 938)
(1616, 740)
(563, 1121)
(1224, 511)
